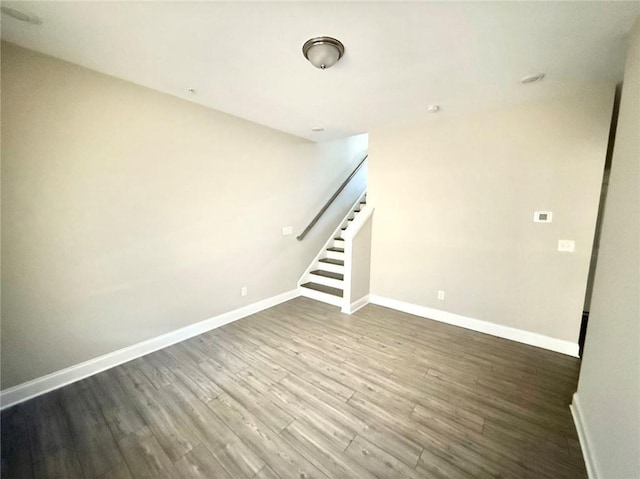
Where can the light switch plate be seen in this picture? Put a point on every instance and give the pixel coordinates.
(566, 246)
(287, 230)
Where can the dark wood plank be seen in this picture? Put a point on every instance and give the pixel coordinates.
(145, 457)
(63, 463)
(266, 473)
(239, 460)
(279, 455)
(189, 373)
(15, 451)
(323, 453)
(93, 441)
(47, 427)
(120, 413)
(433, 465)
(220, 439)
(200, 463)
(175, 437)
(263, 408)
(157, 373)
(379, 462)
(335, 430)
(121, 471)
(363, 424)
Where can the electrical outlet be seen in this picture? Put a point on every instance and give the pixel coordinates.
(441, 295)
(566, 246)
(243, 291)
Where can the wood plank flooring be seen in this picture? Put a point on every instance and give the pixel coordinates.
(303, 391)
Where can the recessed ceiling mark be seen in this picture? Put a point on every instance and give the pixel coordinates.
(532, 78)
(21, 15)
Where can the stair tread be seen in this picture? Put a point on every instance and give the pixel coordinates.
(338, 262)
(338, 239)
(328, 274)
(323, 288)
(336, 250)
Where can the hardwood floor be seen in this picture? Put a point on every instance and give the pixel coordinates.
(303, 391)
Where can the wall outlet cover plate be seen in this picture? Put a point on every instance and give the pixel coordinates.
(566, 246)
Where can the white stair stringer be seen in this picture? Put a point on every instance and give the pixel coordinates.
(323, 280)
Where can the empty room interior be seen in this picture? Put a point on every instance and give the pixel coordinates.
(318, 240)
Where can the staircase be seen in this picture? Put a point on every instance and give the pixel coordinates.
(324, 280)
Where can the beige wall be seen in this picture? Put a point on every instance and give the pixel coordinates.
(609, 387)
(455, 199)
(360, 275)
(127, 213)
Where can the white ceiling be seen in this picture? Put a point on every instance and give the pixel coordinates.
(245, 58)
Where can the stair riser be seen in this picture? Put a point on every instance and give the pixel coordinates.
(320, 296)
(350, 220)
(334, 268)
(338, 244)
(334, 255)
(336, 283)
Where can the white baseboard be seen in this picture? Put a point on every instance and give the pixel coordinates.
(519, 335)
(58, 379)
(583, 437)
(356, 305)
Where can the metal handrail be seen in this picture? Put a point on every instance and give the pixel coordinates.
(328, 203)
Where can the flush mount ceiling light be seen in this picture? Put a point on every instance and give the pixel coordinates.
(21, 15)
(532, 78)
(323, 52)
(433, 108)
(317, 129)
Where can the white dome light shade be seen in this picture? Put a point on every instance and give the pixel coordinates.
(323, 55)
(323, 52)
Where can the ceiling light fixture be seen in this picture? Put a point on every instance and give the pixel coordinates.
(433, 108)
(323, 52)
(532, 78)
(21, 15)
(317, 129)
